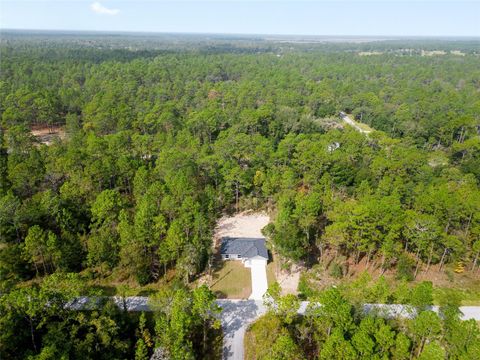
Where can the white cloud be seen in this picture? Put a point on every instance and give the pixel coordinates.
(100, 9)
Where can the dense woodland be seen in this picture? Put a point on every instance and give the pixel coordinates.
(160, 141)
(339, 329)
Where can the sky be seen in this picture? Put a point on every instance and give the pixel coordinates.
(311, 17)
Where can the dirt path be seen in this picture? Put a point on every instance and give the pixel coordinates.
(352, 123)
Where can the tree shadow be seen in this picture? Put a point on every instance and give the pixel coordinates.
(147, 292)
(236, 316)
(218, 279)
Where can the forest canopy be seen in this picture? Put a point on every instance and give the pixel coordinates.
(163, 135)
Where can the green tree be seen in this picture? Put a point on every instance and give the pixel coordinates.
(425, 327)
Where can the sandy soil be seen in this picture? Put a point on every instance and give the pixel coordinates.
(289, 280)
(245, 224)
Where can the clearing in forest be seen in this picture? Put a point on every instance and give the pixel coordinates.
(47, 134)
(230, 278)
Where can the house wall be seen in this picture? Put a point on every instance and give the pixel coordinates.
(231, 257)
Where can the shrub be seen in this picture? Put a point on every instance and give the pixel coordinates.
(336, 271)
(405, 267)
(304, 289)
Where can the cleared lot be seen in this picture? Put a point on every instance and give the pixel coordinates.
(231, 279)
(242, 225)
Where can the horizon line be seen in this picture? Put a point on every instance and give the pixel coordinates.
(145, 32)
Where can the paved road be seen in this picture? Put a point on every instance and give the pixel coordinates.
(238, 314)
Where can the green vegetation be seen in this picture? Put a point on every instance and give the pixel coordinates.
(37, 323)
(340, 330)
(366, 289)
(164, 134)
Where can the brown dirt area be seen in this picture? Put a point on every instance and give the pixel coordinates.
(47, 134)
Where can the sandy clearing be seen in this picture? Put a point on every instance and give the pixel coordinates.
(288, 280)
(245, 224)
(352, 123)
(47, 134)
(289, 283)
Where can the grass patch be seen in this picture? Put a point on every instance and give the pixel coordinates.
(271, 278)
(231, 280)
(470, 295)
(369, 286)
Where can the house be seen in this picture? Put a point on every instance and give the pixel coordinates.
(249, 250)
(333, 146)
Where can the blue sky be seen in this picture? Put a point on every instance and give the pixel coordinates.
(315, 17)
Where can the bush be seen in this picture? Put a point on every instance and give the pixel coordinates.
(336, 271)
(405, 268)
(450, 276)
(304, 289)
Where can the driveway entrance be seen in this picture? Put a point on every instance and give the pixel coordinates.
(259, 279)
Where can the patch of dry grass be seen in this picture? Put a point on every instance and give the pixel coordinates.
(231, 280)
(271, 270)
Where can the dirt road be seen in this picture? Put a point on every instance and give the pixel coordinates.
(352, 123)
